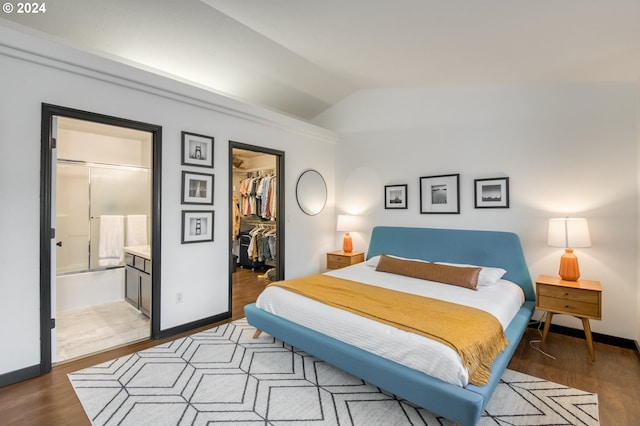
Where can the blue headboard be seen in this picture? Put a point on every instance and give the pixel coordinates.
(482, 248)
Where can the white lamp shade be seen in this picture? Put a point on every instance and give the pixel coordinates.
(346, 223)
(569, 232)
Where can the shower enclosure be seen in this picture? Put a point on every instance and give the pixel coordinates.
(86, 192)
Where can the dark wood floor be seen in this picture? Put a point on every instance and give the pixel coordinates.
(615, 376)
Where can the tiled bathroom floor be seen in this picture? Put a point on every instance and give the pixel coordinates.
(93, 329)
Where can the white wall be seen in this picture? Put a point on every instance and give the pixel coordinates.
(36, 71)
(101, 148)
(567, 150)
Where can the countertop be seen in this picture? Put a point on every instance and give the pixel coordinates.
(142, 251)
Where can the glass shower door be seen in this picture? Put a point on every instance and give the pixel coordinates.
(116, 191)
(72, 218)
(84, 194)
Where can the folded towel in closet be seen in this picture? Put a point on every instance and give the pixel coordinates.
(137, 230)
(111, 241)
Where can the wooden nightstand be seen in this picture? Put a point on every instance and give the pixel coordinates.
(340, 259)
(582, 299)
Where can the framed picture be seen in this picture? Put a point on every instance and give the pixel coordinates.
(491, 193)
(197, 188)
(395, 196)
(197, 150)
(197, 226)
(440, 194)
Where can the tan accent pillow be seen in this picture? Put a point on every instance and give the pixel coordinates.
(455, 275)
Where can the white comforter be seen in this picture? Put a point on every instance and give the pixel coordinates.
(502, 300)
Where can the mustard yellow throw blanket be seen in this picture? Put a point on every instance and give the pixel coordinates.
(476, 335)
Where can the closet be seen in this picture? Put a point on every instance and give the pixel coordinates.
(256, 201)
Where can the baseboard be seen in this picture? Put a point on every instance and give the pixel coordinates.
(193, 325)
(597, 337)
(19, 375)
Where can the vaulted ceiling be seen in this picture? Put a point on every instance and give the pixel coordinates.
(302, 56)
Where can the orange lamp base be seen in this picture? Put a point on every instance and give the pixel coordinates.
(347, 243)
(569, 269)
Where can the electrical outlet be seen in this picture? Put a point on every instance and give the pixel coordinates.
(179, 297)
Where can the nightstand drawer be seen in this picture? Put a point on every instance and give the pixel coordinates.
(335, 265)
(576, 294)
(337, 260)
(569, 306)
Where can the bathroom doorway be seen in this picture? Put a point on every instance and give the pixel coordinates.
(103, 207)
(101, 203)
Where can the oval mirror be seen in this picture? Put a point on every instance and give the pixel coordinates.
(311, 192)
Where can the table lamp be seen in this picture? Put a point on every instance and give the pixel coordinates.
(346, 223)
(569, 233)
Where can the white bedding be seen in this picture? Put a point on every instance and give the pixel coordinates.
(502, 299)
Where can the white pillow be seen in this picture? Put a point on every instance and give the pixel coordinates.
(374, 260)
(488, 275)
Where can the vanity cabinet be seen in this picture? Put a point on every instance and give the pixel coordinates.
(137, 282)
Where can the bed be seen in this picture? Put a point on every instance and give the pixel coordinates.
(461, 402)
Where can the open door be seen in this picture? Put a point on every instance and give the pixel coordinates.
(256, 200)
(51, 115)
(53, 242)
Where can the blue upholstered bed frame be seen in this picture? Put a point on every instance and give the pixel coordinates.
(461, 405)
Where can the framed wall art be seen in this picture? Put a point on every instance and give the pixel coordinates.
(395, 196)
(197, 150)
(440, 194)
(491, 193)
(197, 226)
(197, 188)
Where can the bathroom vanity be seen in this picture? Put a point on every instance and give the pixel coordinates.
(137, 281)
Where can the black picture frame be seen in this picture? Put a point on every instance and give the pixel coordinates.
(395, 196)
(491, 193)
(197, 226)
(197, 150)
(197, 188)
(440, 194)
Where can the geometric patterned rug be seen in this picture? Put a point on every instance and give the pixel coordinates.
(223, 376)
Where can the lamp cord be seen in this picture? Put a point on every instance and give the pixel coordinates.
(531, 342)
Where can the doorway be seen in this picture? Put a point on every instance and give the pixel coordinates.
(100, 196)
(256, 194)
(103, 193)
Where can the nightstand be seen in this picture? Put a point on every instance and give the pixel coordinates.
(340, 259)
(582, 299)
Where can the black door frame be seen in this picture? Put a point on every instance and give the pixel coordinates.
(47, 232)
(280, 273)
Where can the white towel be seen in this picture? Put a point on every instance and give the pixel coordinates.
(110, 251)
(137, 230)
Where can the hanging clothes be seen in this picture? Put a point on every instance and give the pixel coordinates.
(262, 246)
(258, 197)
(236, 219)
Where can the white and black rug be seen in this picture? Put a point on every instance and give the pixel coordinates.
(223, 376)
